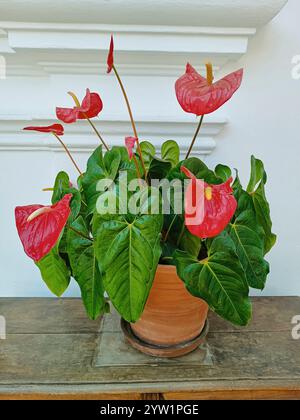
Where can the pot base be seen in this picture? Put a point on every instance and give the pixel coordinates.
(163, 351)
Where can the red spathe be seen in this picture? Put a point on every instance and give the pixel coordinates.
(55, 128)
(40, 235)
(219, 206)
(91, 107)
(197, 96)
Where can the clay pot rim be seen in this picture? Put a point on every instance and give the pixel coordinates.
(185, 345)
(167, 268)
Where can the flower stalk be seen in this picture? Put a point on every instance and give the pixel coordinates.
(68, 152)
(195, 137)
(139, 150)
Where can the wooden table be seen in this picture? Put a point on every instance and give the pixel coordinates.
(50, 346)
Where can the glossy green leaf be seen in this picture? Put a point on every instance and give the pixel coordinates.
(256, 189)
(148, 152)
(54, 272)
(248, 237)
(189, 243)
(127, 165)
(128, 254)
(219, 280)
(257, 174)
(223, 172)
(99, 168)
(85, 269)
(170, 152)
(180, 237)
(159, 168)
(61, 188)
(198, 168)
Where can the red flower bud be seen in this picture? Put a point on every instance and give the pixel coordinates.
(130, 143)
(110, 57)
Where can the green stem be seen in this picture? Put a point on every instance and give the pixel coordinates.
(137, 167)
(170, 227)
(181, 234)
(195, 137)
(131, 119)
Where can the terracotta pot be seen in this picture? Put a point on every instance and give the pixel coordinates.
(172, 317)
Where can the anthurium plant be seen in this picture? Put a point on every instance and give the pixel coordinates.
(133, 209)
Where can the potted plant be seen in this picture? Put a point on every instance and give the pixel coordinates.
(161, 239)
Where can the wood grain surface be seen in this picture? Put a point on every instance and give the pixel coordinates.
(50, 346)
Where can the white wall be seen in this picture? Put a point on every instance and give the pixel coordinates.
(262, 119)
(265, 120)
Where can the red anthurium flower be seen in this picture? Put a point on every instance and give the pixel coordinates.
(55, 128)
(199, 95)
(110, 57)
(130, 143)
(39, 226)
(90, 107)
(208, 208)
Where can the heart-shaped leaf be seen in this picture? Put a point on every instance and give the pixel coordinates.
(198, 168)
(256, 189)
(85, 269)
(128, 253)
(170, 152)
(62, 186)
(99, 168)
(159, 168)
(223, 172)
(54, 272)
(219, 280)
(148, 152)
(248, 237)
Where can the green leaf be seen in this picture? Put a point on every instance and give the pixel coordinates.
(223, 172)
(168, 250)
(257, 174)
(85, 269)
(261, 205)
(248, 237)
(219, 280)
(99, 168)
(62, 183)
(170, 152)
(128, 254)
(127, 165)
(148, 152)
(180, 237)
(61, 188)
(263, 216)
(198, 168)
(159, 168)
(54, 272)
(190, 243)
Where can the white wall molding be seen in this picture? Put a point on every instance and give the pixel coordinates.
(251, 13)
(81, 139)
(139, 49)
